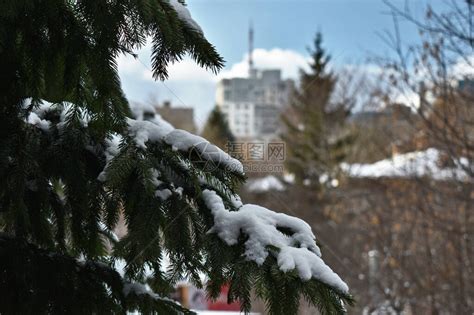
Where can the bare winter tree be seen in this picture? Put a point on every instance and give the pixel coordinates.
(424, 231)
(407, 241)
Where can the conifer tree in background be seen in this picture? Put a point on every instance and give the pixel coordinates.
(313, 147)
(216, 130)
(74, 156)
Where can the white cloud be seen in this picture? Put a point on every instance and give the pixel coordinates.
(184, 70)
(188, 70)
(409, 98)
(140, 68)
(289, 61)
(464, 67)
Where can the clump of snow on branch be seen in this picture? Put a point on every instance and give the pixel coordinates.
(185, 15)
(138, 289)
(111, 150)
(185, 141)
(163, 194)
(36, 116)
(141, 289)
(147, 125)
(412, 164)
(103, 228)
(34, 119)
(265, 229)
(155, 129)
(147, 130)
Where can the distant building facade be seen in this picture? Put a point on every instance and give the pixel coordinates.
(179, 117)
(253, 105)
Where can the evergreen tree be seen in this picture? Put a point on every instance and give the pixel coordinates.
(74, 156)
(311, 120)
(216, 130)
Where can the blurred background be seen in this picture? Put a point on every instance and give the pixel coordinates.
(357, 114)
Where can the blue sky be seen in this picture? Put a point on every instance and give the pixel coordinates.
(283, 30)
(350, 27)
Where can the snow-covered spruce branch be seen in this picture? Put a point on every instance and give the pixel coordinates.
(175, 203)
(269, 232)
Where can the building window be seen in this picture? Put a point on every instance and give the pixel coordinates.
(226, 95)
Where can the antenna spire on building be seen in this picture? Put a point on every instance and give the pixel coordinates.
(251, 72)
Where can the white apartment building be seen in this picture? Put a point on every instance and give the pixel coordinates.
(253, 105)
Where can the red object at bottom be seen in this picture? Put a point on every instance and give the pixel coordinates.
(220, 304)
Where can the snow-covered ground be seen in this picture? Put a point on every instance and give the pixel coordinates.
(412, 164)
(264, 184)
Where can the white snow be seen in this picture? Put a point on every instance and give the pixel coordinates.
(236, 201)
(296, 251)
(185, 15)
(155, 175)
(67, 109)
(289, 178)
(264, 184)
(112, 146)
(144, 130)
(136, 288)
(412, 164)
(104, 229)
(36, 115)
(323, 179)
(163, 194)
(139, 288)
(111, 150)
(140, 110)
(179, 191)
(184, 141)
(34, 119)
(144, 289)
(157, 130)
